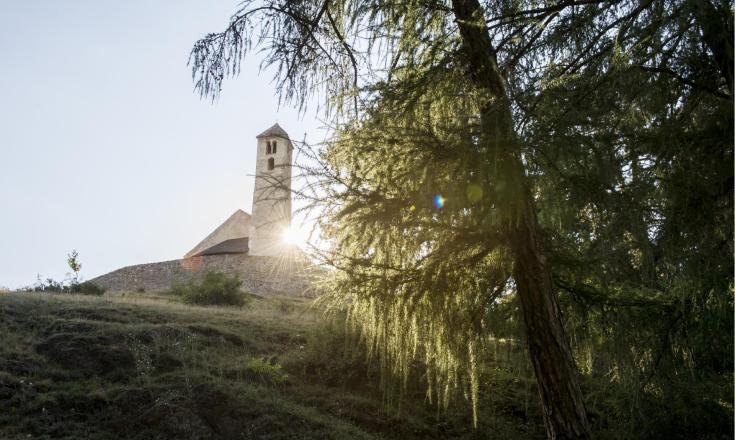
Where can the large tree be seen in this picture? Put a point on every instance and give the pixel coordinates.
(483, 150)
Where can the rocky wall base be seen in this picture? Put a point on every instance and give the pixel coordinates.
(260, 275)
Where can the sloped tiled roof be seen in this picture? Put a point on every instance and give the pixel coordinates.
(237, 226)
(274, 131)
(233, 246)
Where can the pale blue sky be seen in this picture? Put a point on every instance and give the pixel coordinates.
(104, 146)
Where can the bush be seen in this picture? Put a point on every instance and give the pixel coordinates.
(215, 288)
(52, 286)
(332, 355)
(286, 307)
(86, 288)
(265, 370)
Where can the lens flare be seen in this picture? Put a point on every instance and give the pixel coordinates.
(474, 192)
(294, 236)
(439, 201)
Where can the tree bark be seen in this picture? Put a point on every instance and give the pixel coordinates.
(565, 416)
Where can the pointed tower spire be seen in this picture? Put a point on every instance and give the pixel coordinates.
(274, 131)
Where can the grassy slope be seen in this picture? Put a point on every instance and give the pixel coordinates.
(142, 367)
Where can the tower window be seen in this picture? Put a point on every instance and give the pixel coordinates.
(271, 163)
(274, 147)
(268, 147)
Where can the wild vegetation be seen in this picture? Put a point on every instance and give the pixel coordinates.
(215, 288)
(554, 174)
(143, 366)
(71, 284)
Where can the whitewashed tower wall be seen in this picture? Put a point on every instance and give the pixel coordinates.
(271, 214)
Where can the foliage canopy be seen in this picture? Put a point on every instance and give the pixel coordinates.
(481, 150)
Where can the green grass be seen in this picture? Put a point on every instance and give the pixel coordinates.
(146, 366)
(142, 366)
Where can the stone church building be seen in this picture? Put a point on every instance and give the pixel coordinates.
(250, 245)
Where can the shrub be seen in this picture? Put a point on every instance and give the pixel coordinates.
(87, 288)
(286, 307)
(177, 290)
(265, 370)
(73, 286)
(215, 288)
(50, 285)
(332, 355)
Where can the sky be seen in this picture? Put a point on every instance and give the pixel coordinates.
(105, 148)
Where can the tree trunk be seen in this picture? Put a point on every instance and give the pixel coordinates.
(561, 398)
(717, 29)
(565, 416)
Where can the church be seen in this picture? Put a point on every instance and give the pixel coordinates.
(249, 245)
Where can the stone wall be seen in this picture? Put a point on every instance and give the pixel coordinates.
(260, 275)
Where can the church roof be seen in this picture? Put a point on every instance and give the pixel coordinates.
(235, 227)
(274, 131)
(232, 246)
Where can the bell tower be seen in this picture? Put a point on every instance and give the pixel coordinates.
(271, 214)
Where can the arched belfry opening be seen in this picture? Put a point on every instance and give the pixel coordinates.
(268, 147)
(271, 163)
(274, 147)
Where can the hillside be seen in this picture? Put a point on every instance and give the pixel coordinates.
(142, 367)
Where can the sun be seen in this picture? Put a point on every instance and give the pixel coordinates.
(295, 236)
